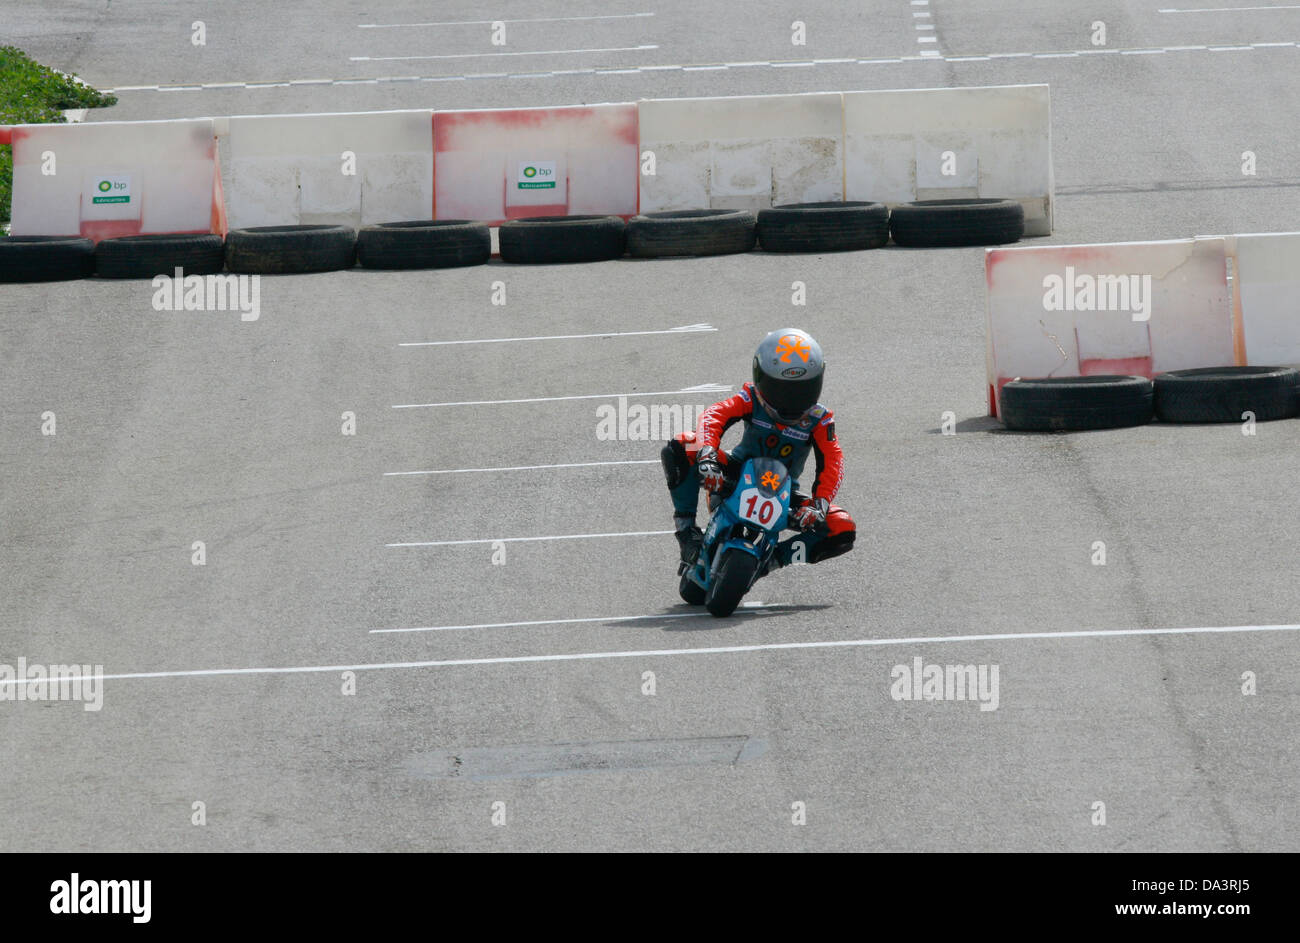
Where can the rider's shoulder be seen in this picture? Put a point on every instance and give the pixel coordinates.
(821, 414)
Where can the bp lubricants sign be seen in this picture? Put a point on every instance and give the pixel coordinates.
(536, 175)
(109, 189)
(110, 195)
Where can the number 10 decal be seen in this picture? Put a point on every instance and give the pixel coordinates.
(755, 507)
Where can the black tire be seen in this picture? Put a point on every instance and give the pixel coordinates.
(1222, 394)
(1068, 404)
(426, 243)
(45, 258)
(285, 250)
(150, 255)
(731, 580)
(551, 239)
(823, 227)
(943, 223)
(692, 593)
(691, 232)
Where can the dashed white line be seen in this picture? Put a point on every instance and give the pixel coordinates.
(1226, 9)
(685, 329)
(525, 540)
(510, 468)
(488, 55)
(703, 388)
(925, 55)
(539, 19)
(668, 653)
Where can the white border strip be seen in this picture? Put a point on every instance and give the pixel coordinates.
(518, 540)
(670, 652)
(686, 329)
(509, 468)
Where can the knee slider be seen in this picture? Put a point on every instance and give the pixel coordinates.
(675, 461)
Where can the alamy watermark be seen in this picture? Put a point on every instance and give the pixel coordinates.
(181, 292)
(656, 422)
(922, 682)
(28, 682)
(1075, 291)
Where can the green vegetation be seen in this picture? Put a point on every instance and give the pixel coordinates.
(32, 94)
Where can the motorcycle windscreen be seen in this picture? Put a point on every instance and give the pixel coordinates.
(768, 475)
(762, 496)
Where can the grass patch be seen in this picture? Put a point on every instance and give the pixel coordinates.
(30, 93)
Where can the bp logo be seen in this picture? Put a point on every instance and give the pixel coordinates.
(110, 188)
(537, 175)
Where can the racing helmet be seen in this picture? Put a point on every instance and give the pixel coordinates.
(788, 370)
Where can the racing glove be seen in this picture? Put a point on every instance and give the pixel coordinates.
(808, 516)
(709, 469)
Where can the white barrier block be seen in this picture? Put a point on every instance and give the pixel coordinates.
(946, 143)
(289, 169)
(1137, 308)
(500, 164)
(159, 175)
(748, 152)
(1268, 296)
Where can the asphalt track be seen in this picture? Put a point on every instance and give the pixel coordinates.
(525, 684)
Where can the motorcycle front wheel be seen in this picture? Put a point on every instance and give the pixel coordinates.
(731, 580)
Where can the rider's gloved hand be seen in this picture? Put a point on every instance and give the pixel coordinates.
(808, 516)
(709, 469)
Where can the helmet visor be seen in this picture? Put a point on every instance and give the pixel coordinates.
(788, 398)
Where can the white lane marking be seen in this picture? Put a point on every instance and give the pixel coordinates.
(219, 86)
(926, 39)
(539, 19)
(509, 625)
(703, 388)
(671, 652)
(1226, 9)
(924, 26)
(508, 468)
(488, 55)
(685, 329)
(519, 540)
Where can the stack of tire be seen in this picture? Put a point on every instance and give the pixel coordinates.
(795, 227)
(1202, 395)
(447, 243)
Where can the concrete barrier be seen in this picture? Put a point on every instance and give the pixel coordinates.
(947, 143)
(1136, 308)
(115, 178)
(504, 164)
(747, 152)
(292, 169)
(1267, 296)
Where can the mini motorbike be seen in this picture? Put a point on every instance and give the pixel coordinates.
(749, 514)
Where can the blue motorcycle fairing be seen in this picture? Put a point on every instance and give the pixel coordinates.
(744, 528)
